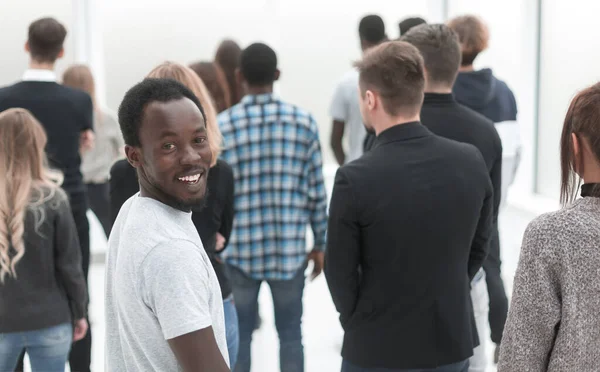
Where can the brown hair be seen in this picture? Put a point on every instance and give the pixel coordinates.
(26, 183)
(80, 77)
(438, 45)
(583, 120)
(46, 38)
(228, 58)
(187, 77)
(215, 81)
(473, 36)
(395, 71)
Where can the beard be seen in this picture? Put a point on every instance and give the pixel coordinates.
(189, 205)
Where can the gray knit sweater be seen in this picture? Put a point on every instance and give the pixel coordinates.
(554, 319)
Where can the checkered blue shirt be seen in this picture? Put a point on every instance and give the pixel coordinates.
(273, 148)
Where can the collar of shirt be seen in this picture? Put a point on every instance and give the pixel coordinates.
(258, 98)
(39, 75)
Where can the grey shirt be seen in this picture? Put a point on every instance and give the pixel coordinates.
(108, 142)
(160, 285)
(554, 319)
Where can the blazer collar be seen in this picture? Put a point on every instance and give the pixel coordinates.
(402, 132)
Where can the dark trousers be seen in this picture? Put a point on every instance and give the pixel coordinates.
(456, 367)
(98, 195)
(81, 351)
(496, 291)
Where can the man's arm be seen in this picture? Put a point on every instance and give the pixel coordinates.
(86, 140)
(337, 134)
(338, 110)
(176, 286)
(343, 248)
(484, 232)
(198, 352)
(317, 202)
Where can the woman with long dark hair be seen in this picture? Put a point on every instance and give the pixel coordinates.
(554, 319)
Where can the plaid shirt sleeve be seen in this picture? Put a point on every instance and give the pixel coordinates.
(317, 196)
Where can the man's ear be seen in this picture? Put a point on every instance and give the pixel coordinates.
(277, 75)
(27, 48)
(134, 156)
(61, 53)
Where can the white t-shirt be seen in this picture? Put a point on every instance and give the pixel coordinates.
(159, 285)
(345, 107)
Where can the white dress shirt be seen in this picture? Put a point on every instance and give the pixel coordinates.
(39, 75)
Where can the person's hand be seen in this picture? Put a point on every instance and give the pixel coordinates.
(80, 328)
(86, 140)
(220, 242)
(318, 259)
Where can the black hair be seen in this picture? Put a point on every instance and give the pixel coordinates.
(131, 110)
(372, 29)
(409, 23)
(258, 64)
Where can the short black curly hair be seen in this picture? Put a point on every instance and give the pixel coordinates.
(131, 110)
(258, 64)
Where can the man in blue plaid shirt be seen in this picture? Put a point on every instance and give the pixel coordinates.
(273, 148)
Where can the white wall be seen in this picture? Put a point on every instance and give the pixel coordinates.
(570, 54)
(512, 56)
(16, 17)
(316, 40)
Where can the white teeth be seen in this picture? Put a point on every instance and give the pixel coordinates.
(193, 178)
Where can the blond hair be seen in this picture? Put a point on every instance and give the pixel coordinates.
(187, 77)
(473, 35)
(80, 77)
(26, 183)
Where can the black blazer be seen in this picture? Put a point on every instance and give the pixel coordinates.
(409, 225)
(64, 113)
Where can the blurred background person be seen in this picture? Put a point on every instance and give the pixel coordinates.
(214, 80)
(214, 219)
(43, 296)
(481, 91)
(67, 117)
(344, 108)
(441, 114)
(228, 58)
(554, 319)
(274, 149)
(108, 146)
(408, 23)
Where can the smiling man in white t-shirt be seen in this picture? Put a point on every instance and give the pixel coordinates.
(164, 310)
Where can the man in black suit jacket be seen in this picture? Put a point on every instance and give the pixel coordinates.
(409, 226)
(444, 116)
(66, 115)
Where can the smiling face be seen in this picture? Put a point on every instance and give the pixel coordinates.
(174, 157)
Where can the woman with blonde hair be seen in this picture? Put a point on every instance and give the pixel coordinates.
(96, 162)
(554, 318)
(213, 219)
(43, 296)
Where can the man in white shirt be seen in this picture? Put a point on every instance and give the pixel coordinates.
(344, 107)
(164, 310)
